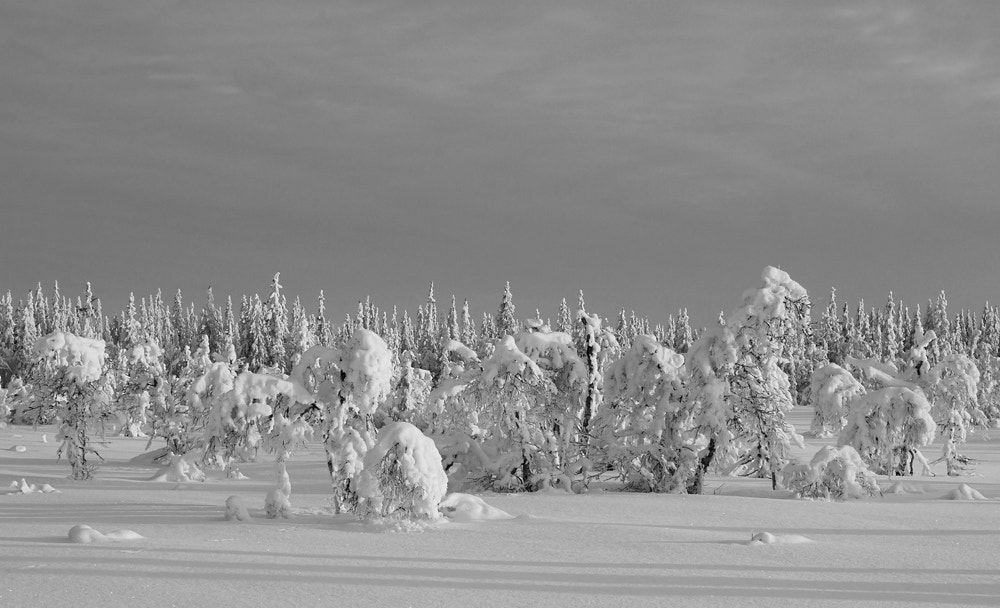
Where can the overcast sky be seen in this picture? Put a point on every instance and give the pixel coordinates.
(656, 154)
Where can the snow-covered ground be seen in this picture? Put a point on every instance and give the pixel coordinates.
(911, 546)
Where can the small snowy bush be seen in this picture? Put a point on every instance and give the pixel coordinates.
(834, 472)
(402, 476)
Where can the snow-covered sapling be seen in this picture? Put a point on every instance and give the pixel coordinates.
(834, 472)
(70, 373)
(402, 476)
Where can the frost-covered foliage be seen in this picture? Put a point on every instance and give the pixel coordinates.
(834, 472)
(888, 426)
(832, 390)
(402, 475)
(738, 381)
(69, 375)
(643, 428)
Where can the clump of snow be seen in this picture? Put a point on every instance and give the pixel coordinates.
(236, 509)
(23, 487)
(83, 358)
(84, 534)
(402, 475)
(903, 488)
(466, 507)
(553, 350)
(507, 359)
(276, 504)
(834, 472)
(832, 389)
(964, 492)
(766, 538)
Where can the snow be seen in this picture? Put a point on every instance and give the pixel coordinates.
(83, 358)
(84, 534)
(595, 549)
(466, 507)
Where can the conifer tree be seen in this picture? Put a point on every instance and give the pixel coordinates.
(506, 320)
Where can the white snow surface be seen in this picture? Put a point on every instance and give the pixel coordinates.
(602, 548)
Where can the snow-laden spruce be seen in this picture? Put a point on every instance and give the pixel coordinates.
(402, 475)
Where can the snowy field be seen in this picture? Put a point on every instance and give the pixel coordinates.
(603, 548)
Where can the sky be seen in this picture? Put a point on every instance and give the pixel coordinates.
(655, 154)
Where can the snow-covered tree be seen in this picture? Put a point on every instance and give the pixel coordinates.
(736, 376)
(402, 475)
(348, 384)
(953, 387)
(70, 373)
(832, 389)
(643, 427)
(887, 427)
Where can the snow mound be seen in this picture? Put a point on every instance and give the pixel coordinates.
(236, 509)
(766, 538)
(964, 492)
(83, 534)
(276, 505)
(904, 488)
(466, 507)
(23, 487)
(179, 470)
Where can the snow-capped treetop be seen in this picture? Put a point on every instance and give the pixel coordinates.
(507, 358)
(464, 352)
(552, 350)
(769, 301)
(367, 365)
(646, 365)
(250, 388)
(82, 357)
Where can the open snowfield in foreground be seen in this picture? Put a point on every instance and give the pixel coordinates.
(598, 549)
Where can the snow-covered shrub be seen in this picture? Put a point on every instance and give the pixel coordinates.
(642, 429)
(832, 390)
(402, 475)
(888, 426)
(834, 472)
